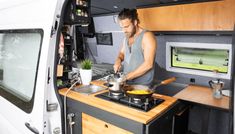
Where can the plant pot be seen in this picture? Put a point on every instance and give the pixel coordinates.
(86, 76)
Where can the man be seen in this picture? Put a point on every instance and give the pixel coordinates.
(138, 50)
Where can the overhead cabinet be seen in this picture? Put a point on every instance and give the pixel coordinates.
(207, 16)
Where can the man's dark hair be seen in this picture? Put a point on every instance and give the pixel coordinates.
(129, 14)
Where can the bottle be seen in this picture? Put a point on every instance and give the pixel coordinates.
(80, 2)
(85, 3)
(85, 14)
(61, 46)
(77, 2)
(82, 13)
(79, 12)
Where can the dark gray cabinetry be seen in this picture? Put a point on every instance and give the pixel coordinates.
(173, 121)
(163, 124)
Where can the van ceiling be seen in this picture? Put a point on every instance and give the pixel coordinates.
(104, 7)
(99, 7)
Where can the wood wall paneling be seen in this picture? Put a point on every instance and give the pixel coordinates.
(207, 16)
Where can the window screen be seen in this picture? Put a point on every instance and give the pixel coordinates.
(200, 59)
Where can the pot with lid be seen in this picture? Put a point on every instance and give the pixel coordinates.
(115, 83)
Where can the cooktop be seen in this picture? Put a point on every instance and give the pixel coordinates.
(140, 104)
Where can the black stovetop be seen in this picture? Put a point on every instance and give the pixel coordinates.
(144, 105)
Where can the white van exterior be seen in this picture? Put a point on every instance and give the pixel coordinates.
(28, 99)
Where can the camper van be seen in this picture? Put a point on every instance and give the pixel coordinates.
(44, 43)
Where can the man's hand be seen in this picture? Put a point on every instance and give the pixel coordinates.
(117, 66)
(123, 78)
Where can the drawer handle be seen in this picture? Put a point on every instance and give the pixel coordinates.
(106, 126)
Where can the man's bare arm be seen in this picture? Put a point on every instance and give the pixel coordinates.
(118, 61)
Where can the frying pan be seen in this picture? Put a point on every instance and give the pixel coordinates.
(142, 92)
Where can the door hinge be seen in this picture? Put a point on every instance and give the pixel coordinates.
(52, 31)
(51, 106)
(54, 28)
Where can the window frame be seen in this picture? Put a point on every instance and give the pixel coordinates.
(26, 106)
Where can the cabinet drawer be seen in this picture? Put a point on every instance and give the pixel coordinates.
(91, 125)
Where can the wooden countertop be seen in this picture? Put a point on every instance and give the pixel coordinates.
(121, 110)
(202, 95)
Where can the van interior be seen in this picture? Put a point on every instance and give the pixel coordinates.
(193, 87)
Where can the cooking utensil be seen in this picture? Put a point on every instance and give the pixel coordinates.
(114, 83)
(216, 86)
(142, 92)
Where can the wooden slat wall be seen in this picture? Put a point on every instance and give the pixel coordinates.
(207, 16)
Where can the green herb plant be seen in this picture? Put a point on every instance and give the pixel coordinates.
(86, 64)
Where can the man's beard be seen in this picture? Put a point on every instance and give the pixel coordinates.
(129, 35)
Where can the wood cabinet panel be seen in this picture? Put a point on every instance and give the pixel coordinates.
(91, 125)
(207, 16)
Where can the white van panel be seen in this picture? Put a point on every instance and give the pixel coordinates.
(5, 124)
(11, 121)
(27, 13)
(31, 14)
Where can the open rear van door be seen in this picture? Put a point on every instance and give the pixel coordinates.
(28, 100)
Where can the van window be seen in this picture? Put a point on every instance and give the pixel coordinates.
(19, 57)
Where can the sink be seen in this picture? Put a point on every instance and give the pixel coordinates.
(89, 89)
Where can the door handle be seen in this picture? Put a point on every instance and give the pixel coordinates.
(33, 129)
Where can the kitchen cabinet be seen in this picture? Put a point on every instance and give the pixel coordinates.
(161, 125)
(173, 121)
(94, 115)
(207, 16)
(92, 125)
(168, 123)
(91, 120)
(215, 111)
(180, 119)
